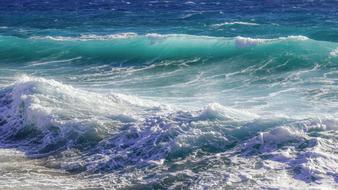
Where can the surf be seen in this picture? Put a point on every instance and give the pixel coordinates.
(46, 118)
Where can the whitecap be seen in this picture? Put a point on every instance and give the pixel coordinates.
(235, 23)
(217, 111)
(86, 37)
(334, 52)
(243, 42)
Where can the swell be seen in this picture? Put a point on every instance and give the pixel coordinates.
(142, 48)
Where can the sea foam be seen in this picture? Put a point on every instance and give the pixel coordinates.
(243, 42)
(235, 23)
(334, 52)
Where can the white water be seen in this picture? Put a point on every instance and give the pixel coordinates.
(267, 152)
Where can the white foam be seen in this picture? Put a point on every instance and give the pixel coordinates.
(274, 158)
(235, 23)
(334, 52)
(182, 36)
(87, 37)
(217, 111)
(280, 135)
(107, 37)
(127, 35)
(297, 37)
(189, 3)
(243, 42)
(286, 156)
(42, 103)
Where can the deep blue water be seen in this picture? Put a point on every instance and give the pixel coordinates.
(314, 19)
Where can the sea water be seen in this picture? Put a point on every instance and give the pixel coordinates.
(110, 94)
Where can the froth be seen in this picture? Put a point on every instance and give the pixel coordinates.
(334, 52)
(217, 111)
(243, 42)
(86, 37)
(235, 23)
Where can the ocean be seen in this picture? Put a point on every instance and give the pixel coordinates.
(118, 94)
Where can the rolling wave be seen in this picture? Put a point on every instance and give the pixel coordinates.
(127, 46)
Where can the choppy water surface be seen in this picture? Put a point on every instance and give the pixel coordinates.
(168, 95)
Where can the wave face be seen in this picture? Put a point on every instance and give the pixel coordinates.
(142, 48)
(168, 94)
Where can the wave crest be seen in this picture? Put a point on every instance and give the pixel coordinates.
(59, 115)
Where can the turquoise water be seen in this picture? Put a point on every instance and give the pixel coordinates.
(168, 94)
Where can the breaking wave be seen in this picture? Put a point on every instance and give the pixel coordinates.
(124, 134)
